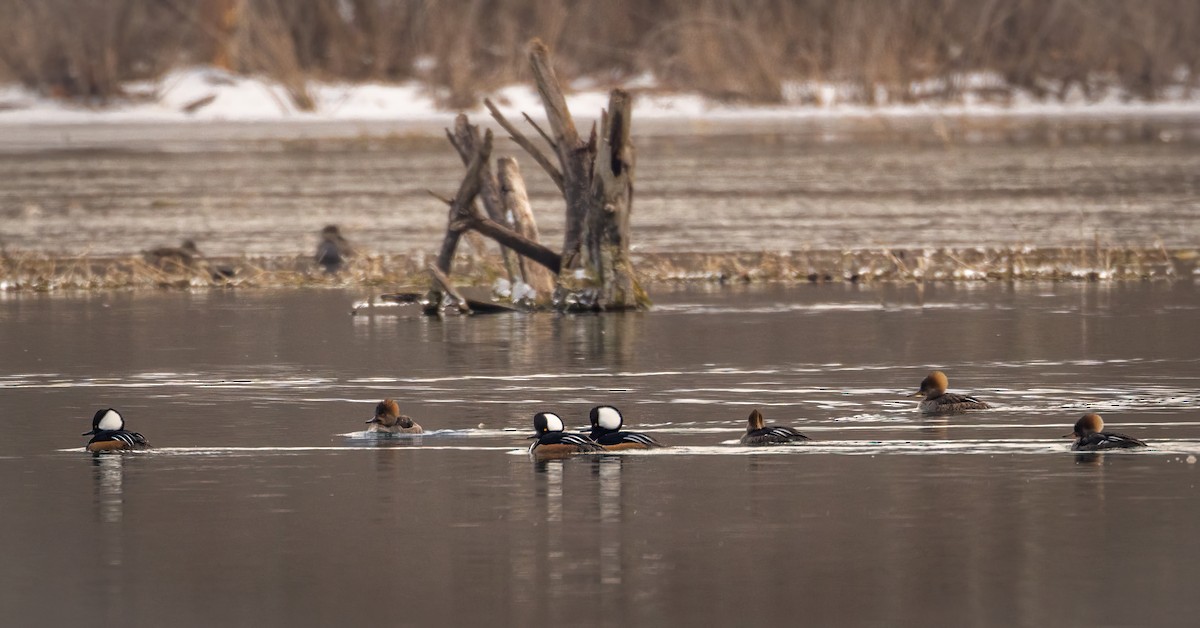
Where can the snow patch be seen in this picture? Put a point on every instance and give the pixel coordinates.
(205, 94)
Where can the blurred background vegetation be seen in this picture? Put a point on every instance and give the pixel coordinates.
(735, 50)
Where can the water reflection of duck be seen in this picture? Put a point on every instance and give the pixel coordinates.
(109, 433)
(553, 442)
(938, 401)
(388, 420)
(1089, 436)
(606, 430)
(333, 249)
(758, 434)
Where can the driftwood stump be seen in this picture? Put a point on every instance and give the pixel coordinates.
(595, 176)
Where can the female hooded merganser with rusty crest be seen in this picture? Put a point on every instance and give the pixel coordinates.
(553, 442)
(938, 401)
(109, 433)
(606, 430)
(1089, 436)
(388, 420)
(758, 434)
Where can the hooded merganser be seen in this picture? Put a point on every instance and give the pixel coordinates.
(109, 433)
(553, 442)
(606, 430)
(1090, 437)
(758, 434)
(172, 258)
(333, 249)
(388, 420)
(938, 401)
(186, 258)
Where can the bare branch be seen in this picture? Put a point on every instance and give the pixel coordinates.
(516, 241)
(527, 145)
(439, 196)
(549, 140)
(463, 201)
(561, 123)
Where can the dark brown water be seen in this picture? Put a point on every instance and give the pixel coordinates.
(263, 504)
(267, 189)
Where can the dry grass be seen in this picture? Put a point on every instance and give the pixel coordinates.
(731, 49)
(39, 273)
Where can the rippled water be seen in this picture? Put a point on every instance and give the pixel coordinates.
(263, 503)
(824, 184)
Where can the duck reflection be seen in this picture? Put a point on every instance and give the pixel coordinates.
(108, 471)
(608, 472)
(108, 475)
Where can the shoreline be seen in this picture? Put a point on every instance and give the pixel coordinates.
(42, 273)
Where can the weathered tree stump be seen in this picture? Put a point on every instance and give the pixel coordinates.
(594, 270)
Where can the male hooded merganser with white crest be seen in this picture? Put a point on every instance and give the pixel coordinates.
(553, 442)
(758, 434)
(388, 420)
(109, 433)
(606, 430)
(938, 401)
(1089, 436)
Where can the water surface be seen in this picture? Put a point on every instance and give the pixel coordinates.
(267, 189)
(262, 503)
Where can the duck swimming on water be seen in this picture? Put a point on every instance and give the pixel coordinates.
(938, 401)
(759, 434)
(109, 433)
(606, 430)
(1089, 436)
(553, 442)
(388, 420)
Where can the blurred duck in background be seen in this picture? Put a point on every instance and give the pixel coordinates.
(179, 258)
(185, 258)
(333, 249)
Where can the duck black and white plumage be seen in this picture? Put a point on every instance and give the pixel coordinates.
(938, 401)
(1089, 436)
(109, 434)
(553, 442)
(606, 430)
(757, 433)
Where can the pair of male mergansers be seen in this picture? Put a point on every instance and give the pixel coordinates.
(553, 441)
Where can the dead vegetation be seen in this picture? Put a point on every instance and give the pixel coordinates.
(41, 273)
(729, 49)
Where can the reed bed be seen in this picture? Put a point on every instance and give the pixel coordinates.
(406, 273)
